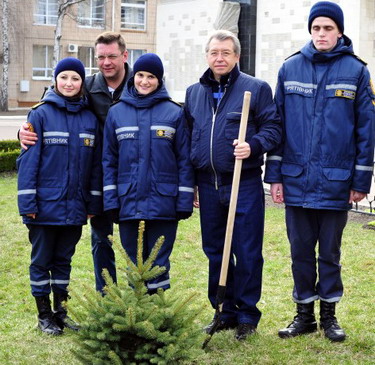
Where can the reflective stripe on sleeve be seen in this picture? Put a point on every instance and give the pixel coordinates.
(163, 127)
(274, 158)
(96, 193)
(186, 189)
(57, 281)
(158, 285)
(55, 133)
(86, 135)
(26, 191)
(341, 86)
(127, 129)
(39, 283)
(110, 187)
(364, 168)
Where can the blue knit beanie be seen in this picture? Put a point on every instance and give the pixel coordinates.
(150, 62)
(70, 64)
(327, 9)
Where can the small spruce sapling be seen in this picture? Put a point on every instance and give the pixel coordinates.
(129, 326)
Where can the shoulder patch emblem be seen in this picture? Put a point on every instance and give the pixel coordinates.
(31, 127)
(373, 91)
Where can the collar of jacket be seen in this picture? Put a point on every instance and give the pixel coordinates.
(98, 85)
(130, 96)
(70, 104)
(208, 81)
(343, 46)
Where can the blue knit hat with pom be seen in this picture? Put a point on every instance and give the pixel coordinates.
(70, 64)
(327, 9)
(150, 62)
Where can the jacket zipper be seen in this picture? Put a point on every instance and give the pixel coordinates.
(212, 139)
(211, 146)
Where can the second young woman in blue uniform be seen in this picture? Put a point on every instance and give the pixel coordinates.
(147, 171)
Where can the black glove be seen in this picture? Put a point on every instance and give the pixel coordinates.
(183, 215)
(114, 215)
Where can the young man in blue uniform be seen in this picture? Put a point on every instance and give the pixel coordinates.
(326, 102)
(213, 109)
(59, 187)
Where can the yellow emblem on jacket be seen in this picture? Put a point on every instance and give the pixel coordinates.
(30, 127)
(373, 91)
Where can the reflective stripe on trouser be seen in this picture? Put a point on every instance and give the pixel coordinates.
(52, 250)
(153, 230)
(305, 228)
(102, 251)
(243, 287)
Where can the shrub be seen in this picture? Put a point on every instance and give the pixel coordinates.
(9, 145)
(8, 160)
(129, 326)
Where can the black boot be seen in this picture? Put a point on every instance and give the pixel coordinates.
(46, 321)
(61, 314)
(328, 322)
(303, 322)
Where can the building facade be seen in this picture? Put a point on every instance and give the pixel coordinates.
(269, 31)
(31, 38)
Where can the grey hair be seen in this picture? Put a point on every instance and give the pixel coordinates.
(222, 35)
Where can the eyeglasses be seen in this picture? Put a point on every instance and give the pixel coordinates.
(111, 57)
(224, 54)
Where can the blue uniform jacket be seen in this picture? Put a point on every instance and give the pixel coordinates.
(147, 170)
(326, 104)
(60, 178)
(213, 131)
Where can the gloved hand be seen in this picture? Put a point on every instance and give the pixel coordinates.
(183, 215)
(114, 215)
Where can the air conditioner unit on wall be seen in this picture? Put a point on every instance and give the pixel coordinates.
(72, 48)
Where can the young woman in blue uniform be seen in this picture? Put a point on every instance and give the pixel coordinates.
(147, 171)
(59, 187)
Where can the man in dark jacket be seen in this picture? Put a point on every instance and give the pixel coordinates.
(102, 89)
(326, 102)
(213, 110)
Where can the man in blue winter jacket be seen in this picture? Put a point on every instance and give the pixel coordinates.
(326, 102)
(213, 110)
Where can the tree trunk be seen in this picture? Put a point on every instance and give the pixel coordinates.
(5, 31)
(64, 6)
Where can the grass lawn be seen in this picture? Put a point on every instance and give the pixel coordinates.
(22, 343)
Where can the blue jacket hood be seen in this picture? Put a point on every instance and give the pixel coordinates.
(130, 96)
(344, 46)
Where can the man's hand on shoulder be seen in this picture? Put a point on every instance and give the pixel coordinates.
(26, 136)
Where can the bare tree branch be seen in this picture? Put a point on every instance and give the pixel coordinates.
(5, 79)
(63, 8)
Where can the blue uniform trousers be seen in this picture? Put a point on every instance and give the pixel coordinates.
(52, 250)
(102, 251)
(153, 230)
(305, 228)
(244, 281)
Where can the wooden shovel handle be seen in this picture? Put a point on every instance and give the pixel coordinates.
(234, 192)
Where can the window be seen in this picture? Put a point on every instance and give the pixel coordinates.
(133, 14)
(46, 12)
(87, 56)
(42, 62)
(91, 13)
(134, 54)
